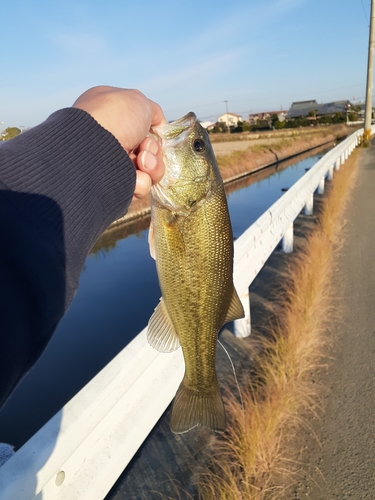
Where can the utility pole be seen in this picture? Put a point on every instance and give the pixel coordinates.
(226, 107)
(370, 74)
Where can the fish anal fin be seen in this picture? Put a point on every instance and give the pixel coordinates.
(235, 309)
(151, 241)
(192, 408)
(161, 334)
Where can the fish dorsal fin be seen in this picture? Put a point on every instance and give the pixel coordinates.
(151, 241)
(161, 334)
(235, 309)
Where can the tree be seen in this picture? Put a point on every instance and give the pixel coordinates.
(9, 133)
(353, 114)
(242, 127)
(274, 119)
(279, 125)
(338, 118)
(220, 127)
(312, 113)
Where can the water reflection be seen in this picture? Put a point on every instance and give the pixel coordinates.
(108, 240)
(117, 293)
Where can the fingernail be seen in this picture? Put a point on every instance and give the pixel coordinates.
(148, 160)
(152, 146)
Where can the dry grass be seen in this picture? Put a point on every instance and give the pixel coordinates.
(338, 130)
(249, 459)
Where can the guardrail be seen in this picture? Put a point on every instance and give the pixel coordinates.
(82, 450)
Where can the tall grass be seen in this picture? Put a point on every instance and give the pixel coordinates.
(251, 460)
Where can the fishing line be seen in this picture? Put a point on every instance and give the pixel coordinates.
(234, 373)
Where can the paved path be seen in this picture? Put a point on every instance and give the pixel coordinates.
(346, 431)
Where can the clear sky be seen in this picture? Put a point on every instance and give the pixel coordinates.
(188, 55)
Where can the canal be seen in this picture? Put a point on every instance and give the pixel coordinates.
(117, 294)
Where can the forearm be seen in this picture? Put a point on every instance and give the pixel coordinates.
(61, 184)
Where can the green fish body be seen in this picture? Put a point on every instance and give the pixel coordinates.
(191, 240)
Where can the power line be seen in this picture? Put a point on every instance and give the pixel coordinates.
(254, 99)
(297, 94)
(364, 11)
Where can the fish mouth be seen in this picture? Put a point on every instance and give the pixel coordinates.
(177, 131)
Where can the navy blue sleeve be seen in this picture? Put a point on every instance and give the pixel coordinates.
(61, 184)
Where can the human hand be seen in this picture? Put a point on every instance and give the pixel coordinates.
(129, 116)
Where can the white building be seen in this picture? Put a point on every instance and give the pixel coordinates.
(230, 119)
(208, 125)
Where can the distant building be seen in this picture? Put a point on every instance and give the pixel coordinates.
(230, 119)
(361, 107)
(254, 118)
(302, 108)
(208, 125)
(312, 110)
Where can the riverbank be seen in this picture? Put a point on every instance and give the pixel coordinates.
(251, 153)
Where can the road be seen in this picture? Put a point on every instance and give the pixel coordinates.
(339, 462)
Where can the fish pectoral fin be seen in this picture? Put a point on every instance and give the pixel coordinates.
(192, 408)
(151, 241)
(235, 309)
(161, 334)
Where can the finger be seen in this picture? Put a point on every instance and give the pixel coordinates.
(151, 164)
(142, 185)
(150, 144)
(133, 158)
(157, 115)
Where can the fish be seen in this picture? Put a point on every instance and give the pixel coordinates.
(191, 240)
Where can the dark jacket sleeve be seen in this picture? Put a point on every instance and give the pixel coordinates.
(61, 184)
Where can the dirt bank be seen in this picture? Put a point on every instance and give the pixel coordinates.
(258, 156)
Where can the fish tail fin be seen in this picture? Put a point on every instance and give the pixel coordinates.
(192, 408)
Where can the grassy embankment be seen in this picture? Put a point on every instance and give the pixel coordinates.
(251, 461)
(282, 133)
(278, 147)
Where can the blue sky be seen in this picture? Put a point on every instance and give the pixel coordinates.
(187, 55)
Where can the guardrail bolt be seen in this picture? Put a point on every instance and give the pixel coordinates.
(60, 477)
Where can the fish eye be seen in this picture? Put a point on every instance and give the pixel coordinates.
(199, 145)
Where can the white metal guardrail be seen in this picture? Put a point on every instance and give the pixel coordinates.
(82, 450)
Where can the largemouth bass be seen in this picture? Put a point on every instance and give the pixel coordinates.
(191, 239)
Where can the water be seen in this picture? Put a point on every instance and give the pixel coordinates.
(117, 294)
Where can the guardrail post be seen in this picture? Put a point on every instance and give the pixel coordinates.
(330, 173)
(242, 327)
(287, 240)
(338, 163)
(320, 188)
(309, 207)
